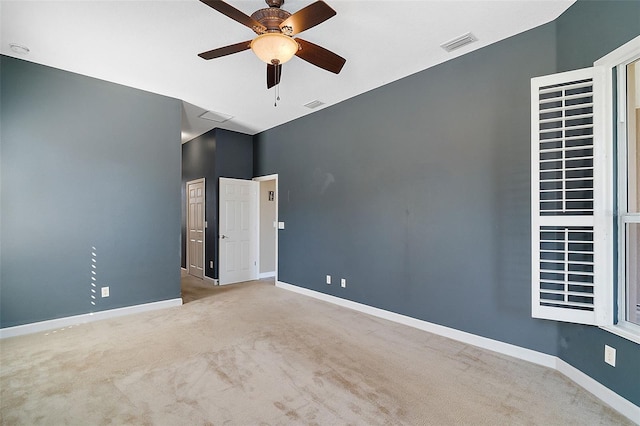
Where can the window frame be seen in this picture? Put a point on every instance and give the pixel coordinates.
(614, 64)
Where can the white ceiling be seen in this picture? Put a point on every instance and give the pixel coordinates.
(153, 46)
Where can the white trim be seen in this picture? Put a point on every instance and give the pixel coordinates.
(624, 330)
(606, 395)
(603, 201)
(58, 323)
(461, 336)
(277, 195)
(266, 177)
(184, 269)
(266, 275)
(210, 280)
(619, 55)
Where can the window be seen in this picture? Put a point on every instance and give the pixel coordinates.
(586, 194)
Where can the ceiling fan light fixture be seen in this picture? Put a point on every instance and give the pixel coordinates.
(274, 48)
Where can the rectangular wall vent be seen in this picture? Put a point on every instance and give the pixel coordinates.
(314, 104)
(215, 116)
(458, 42)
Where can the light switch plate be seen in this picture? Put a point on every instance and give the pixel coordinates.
(104, 291)
(343, 283)
(280, 225)
(328, 279)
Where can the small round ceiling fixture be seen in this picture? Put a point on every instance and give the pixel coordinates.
(16, 48)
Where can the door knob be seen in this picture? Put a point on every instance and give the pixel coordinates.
(222, 237)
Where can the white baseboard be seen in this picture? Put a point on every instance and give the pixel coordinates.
(266, 275)
(209, 280)
(58, 323)
(606, 395)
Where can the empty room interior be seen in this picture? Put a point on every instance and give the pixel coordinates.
(429, 215)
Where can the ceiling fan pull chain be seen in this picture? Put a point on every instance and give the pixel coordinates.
(276, 92)
(275, 96)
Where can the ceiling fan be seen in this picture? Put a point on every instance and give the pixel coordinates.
(275, 44)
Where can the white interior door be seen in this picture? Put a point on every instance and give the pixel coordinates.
(237, 230)
(195, 228)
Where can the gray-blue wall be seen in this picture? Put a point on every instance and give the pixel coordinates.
(85, 163)
(215, 154)
(418, 193)
(198, 161)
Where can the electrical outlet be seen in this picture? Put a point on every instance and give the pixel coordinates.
(343, 283)
(211, 264)
(610, 355)
(105, 291)
(328, 279)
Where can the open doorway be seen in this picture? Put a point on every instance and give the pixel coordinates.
(268, 226)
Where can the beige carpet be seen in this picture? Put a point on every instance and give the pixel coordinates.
(252, 354)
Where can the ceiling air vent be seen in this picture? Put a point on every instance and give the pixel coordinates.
(314, 104)
(215, 116)
(458, 42)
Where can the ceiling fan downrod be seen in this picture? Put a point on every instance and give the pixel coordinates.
(274, 3)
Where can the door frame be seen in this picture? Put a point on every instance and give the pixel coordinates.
(204, 232)
(276, 195)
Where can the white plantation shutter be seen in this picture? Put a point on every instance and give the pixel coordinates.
(571, 280)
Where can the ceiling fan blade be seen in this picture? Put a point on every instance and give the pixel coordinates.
(320, 57)
(306, 18)
(233, 13)
(274, 72)
(227, 50)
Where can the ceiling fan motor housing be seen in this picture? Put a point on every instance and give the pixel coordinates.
(271, 18)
